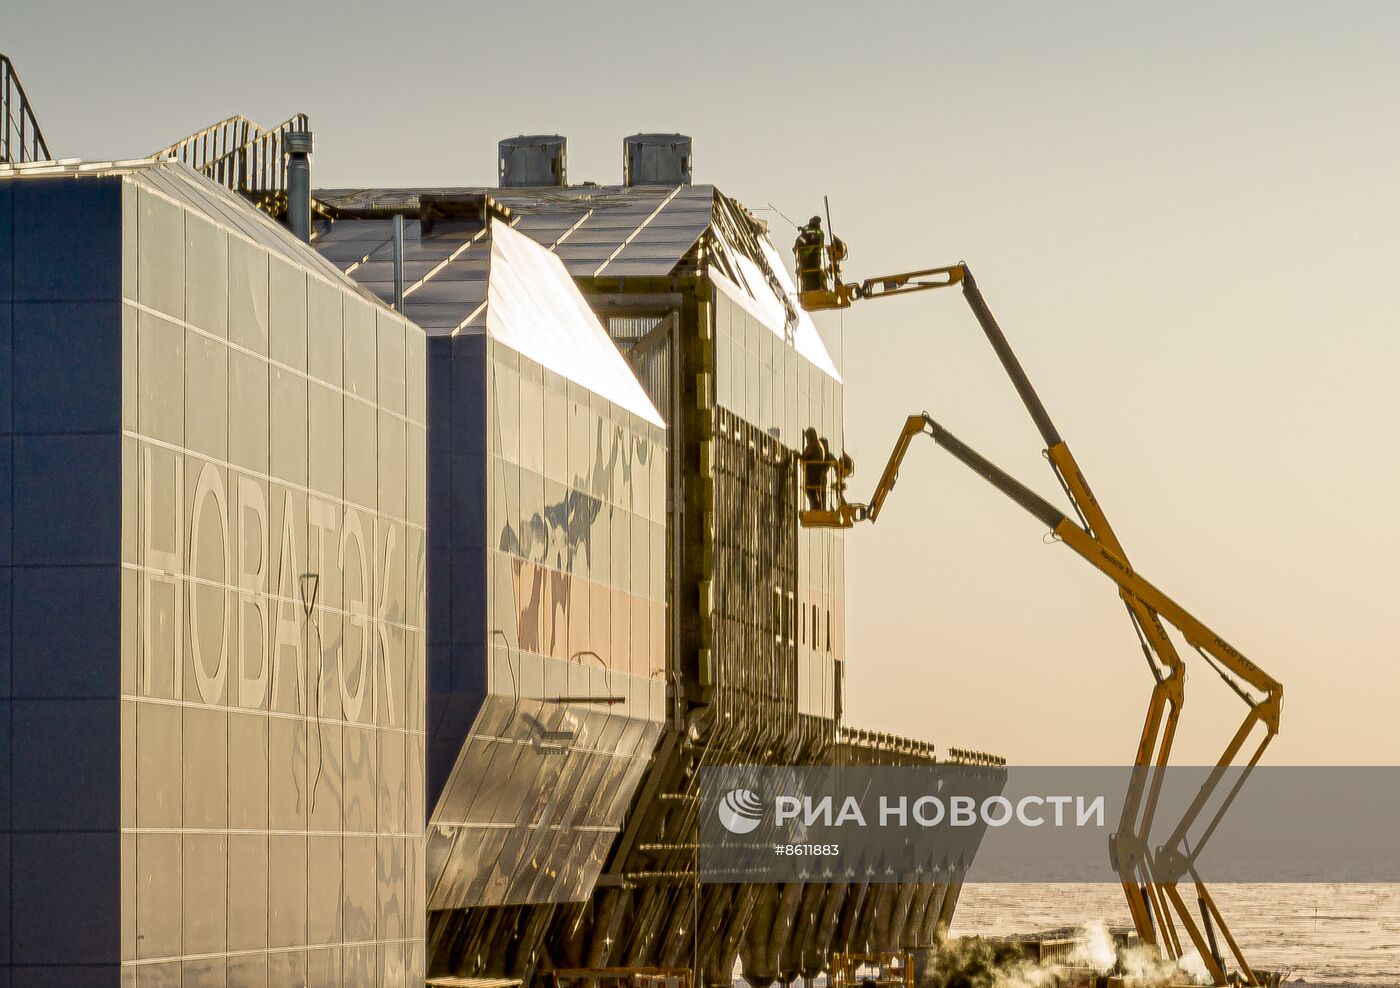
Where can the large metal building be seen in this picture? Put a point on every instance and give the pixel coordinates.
(749, 659)
(384, 577)
(213, 595)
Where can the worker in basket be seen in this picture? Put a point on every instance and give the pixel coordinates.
(816, 464)
(811, 271)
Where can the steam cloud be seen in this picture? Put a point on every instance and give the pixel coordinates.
(972, 962)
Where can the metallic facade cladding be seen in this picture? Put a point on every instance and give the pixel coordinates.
(736, 673)
(696, 298)
(558, 658)
(548, 596)
(770, 366)
(774, 387)
(221, 442)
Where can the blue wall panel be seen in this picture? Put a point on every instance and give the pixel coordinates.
(67, 239)
(67, 628)
(7, 257)
(65, 901)
(7, 498)
(456, 518)
(60, 524)
(67, 766)
(67, 507)
(67, 366)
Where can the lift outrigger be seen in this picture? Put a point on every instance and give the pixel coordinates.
(1150, 878)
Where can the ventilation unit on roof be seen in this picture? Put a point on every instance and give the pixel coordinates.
(537, 161)
(656, 159)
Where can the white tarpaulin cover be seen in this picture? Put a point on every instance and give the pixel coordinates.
(534, 307)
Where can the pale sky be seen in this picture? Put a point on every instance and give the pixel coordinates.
(1185, 217)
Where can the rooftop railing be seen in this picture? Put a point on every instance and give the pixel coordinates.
(22, 139)
(242, 157)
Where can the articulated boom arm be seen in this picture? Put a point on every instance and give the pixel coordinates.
(842, 294)
(1150, 878)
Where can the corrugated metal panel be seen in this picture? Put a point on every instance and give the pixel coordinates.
(652, 365)
(632, 328)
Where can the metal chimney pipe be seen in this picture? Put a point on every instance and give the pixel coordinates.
(656, 159)
(297, 144)
(537, 161)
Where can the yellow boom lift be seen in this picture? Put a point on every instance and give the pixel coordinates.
(1150, 877)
